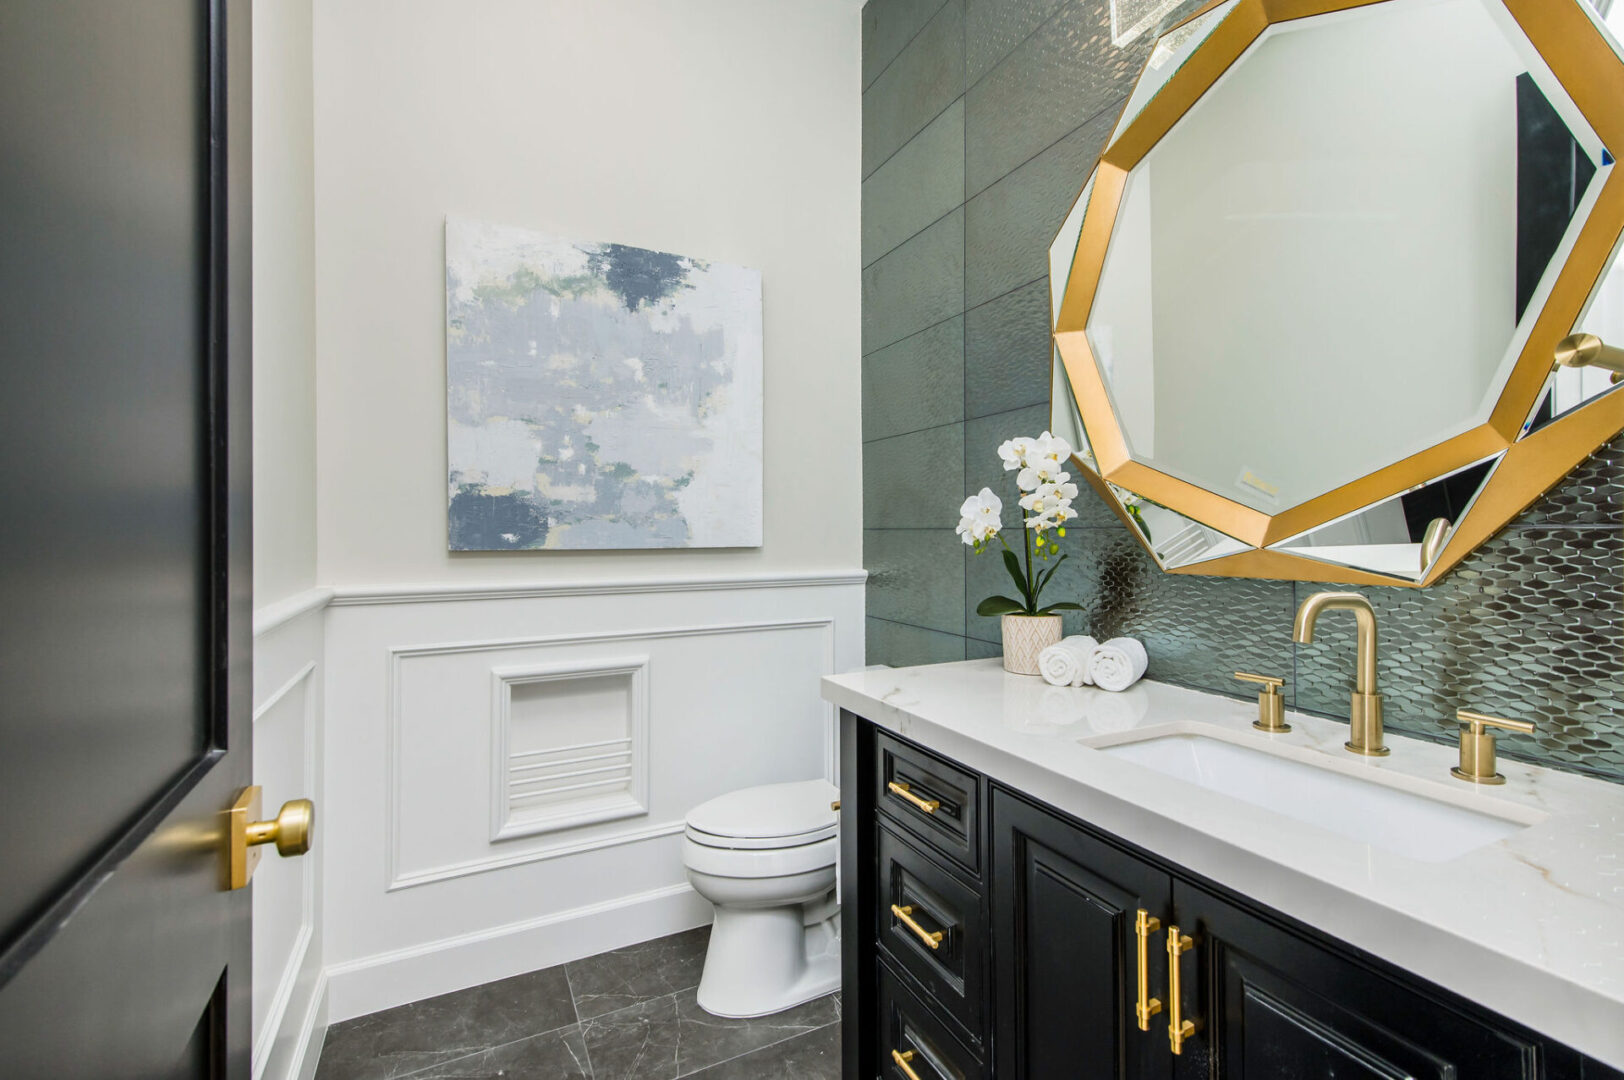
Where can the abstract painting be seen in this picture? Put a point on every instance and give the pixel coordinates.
(598, 395)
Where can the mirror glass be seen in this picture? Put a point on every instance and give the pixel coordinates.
(1330, 262)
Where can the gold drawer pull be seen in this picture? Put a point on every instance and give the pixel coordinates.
(1178, 1028)
(902, 1057)
(931, 938)
(928, 806)
(1146, 1006)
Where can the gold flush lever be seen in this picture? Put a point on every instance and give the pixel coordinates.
(1477, 753)
(1588, 350)
(290, 831)
(1271, 707)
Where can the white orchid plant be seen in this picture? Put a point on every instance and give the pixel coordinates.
(1046, 494)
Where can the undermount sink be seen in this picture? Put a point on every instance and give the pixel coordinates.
(1401, 822)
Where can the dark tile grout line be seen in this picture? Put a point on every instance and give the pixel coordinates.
(956, 315)
(958, 423)
(887, 66)
(904, 144)
(758, 1049)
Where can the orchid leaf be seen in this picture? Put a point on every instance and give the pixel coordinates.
(1044, 580)
(1064, 605)
(1000, 605)
(1013, 565)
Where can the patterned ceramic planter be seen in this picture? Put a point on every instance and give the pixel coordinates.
(1024, 637)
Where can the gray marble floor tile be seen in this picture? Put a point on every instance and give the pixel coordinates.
(408, 1039)
(617, 980)
(672, 1036)
(813, 1056)
(556, 1055)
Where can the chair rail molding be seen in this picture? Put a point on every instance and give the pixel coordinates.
(358, 595)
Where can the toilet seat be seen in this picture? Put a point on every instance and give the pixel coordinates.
(766, 818)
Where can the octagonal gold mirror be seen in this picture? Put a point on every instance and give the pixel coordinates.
(1309, 307)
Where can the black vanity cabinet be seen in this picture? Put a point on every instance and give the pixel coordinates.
(986, 935)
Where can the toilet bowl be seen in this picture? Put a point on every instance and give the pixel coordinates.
(765, 857)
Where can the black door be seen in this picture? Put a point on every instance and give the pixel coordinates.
(1065, 910)
(124, 545)
(1273, 1005)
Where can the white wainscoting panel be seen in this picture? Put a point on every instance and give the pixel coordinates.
(569, 744)
(288, 667)
(445, 711)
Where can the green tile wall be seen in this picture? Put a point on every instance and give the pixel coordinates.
(981, 119)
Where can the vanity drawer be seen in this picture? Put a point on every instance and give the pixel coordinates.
(935, 801)
(919, 900)
(928, 1051)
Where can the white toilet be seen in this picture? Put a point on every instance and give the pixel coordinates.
(765, 856)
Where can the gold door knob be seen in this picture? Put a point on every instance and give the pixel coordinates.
(291, 831)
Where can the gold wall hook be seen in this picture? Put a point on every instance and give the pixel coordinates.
(1588, 350)
(1478, 762)
(291, 831)
(1271, 706)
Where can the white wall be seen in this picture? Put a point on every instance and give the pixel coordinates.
(719, 128)
(284, 303)
(289, 652)
(728, 129)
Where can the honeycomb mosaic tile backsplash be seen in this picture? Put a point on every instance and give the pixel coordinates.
(981, 118)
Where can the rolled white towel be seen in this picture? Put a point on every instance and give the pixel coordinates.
(1118, 664)
(1066, 662)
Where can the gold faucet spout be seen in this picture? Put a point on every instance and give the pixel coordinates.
(1365, 716)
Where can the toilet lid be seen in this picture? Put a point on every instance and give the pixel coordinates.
(773, 815)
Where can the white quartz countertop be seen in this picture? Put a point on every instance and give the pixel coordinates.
(1530, 926)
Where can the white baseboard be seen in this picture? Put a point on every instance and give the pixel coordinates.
(358, 987)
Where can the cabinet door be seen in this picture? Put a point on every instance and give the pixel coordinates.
(1270, 1004)
(1065, 949)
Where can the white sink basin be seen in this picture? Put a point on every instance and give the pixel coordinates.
(1399, 821)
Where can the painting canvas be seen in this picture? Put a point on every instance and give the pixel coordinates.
(599, 395)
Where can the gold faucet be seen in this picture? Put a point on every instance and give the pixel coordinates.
(1365, 715)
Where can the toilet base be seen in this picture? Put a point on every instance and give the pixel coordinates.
(765, 960)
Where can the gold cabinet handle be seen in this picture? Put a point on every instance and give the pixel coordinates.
(1178, 1028)
(902, 1057)
(928, 806)
(290, 831)
(932, 938)
(1146, 1006)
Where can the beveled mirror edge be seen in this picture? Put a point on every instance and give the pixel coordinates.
(1591, 72)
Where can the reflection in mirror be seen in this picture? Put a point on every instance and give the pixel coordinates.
(1402, 536)
(1175, 47)
(1290, 299)
(1569, 387)
(1172, 538)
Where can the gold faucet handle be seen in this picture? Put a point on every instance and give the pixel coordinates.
(1477, 745)
(1271, 707)
(1477, 722)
